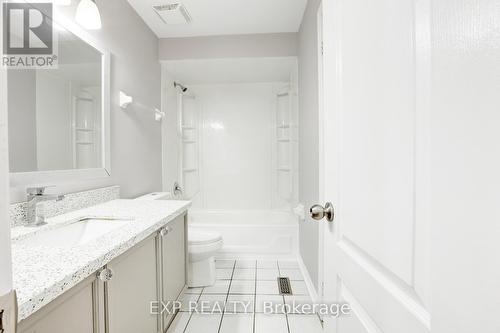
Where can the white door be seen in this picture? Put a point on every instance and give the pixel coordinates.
(395, 159)
(376, 250)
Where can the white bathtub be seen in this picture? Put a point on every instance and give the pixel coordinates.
(251, 233)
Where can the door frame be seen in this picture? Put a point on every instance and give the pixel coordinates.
(321, 149)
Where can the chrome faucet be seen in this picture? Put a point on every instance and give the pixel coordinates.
(35, 195)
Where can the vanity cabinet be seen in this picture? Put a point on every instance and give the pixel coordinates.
(118, 298)
(75, 312)
(131, 289)
(172, 246)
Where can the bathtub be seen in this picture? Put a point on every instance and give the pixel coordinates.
(252, 234)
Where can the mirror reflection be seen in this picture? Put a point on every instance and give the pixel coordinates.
(55, 115)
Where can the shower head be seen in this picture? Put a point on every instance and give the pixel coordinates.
(183, 89)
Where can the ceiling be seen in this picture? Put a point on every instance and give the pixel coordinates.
(225, 17)
(234, 70)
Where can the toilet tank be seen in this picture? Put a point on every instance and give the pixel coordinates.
(156, 196)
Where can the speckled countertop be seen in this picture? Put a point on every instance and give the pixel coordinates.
(42, 273)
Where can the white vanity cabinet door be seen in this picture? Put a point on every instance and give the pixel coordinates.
(72, 312)
(173, 247)
(131, 289)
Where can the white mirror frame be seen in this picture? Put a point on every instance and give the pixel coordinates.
(22, 179)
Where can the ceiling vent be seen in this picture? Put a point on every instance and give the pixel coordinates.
(174, 13)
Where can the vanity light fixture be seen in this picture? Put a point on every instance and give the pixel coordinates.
(125, 100)
(87, 15)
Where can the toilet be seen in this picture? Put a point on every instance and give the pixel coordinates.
(202, 247)
(203, 244)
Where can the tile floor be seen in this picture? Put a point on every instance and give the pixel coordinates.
(242, 289)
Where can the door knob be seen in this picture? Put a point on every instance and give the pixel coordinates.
(318, 212)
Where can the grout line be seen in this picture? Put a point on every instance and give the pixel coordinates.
(227, 297)
(191, 313)
(286, 316)
(255, 298)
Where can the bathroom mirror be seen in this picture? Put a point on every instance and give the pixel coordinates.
(59, 118)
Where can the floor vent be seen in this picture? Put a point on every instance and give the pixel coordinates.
(284, 286)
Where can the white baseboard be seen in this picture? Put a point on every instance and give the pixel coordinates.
(307, 279)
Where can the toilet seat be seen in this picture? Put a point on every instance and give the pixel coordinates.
(197, 237)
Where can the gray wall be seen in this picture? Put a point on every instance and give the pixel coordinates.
(22, 120)
(308, 135)
(5, 248)
(135, 136)
(233, 46)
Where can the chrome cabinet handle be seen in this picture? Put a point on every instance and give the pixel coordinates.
(105, 274)
(318, 212)
(165, 231)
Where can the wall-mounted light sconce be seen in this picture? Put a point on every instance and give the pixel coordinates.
(87, 15)
(159, 115)
(125, 100)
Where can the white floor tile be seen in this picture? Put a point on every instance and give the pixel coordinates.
(179, 323)
(269, 303)
(222, 263)
(193, 290)
(240, 304)
(244, 274)
(299, 288)
(267, 264)
(267, 274)
(203, 323)
(295, 304)
(267, 288)
(293, 274)
(188, 302)
(271, 323)
(211, 304)
(220, 287)
(245, 264)
(304, 323)
(224, 273)
(237, 323)
(242, 287)
(284, 264)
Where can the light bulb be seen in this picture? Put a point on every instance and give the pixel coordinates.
(87, 15)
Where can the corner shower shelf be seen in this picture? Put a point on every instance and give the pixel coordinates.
(284, 140)
(190, 170)
(285, 169)
(81, 129)
(84, 143)
(189, 141)
(283, 126)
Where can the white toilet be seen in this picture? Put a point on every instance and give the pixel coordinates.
(202, 247)
(203, 244)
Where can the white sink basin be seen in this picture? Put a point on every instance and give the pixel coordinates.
(76, 233)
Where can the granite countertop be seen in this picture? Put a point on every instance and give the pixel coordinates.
(42, 273)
